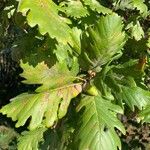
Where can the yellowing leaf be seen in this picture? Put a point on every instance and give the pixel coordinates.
(56, 76)
(52, 98)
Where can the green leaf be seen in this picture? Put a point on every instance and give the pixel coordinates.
(96, 6)
(132, 4)
(145, 114)
(76, 35)
(45, 14)
(129, 70)
(134, 96)
(123, 4)
(62, 52)
(136, 30)
(139, 5)
(98, 114)
(52, 98)
(29, 139)
(56, 76)
(123, 85)
(103, 41)
(74, 9)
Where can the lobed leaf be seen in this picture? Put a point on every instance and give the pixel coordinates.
(124, 88)
(96, 6)
(74, 9)
(133, 4)
(56, 76)
(103, 41)
(136, 30)
(123, 4)
(139, 5)
(29, 139)
(134, 96)
(98, 114)
(128, 78)
(52, 98)
(44, 13)
(145, 114)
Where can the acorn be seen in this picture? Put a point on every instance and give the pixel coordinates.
(90, 89)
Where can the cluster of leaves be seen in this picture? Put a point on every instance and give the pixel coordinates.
(89, 61)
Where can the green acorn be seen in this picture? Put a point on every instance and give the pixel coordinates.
(91, 90)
